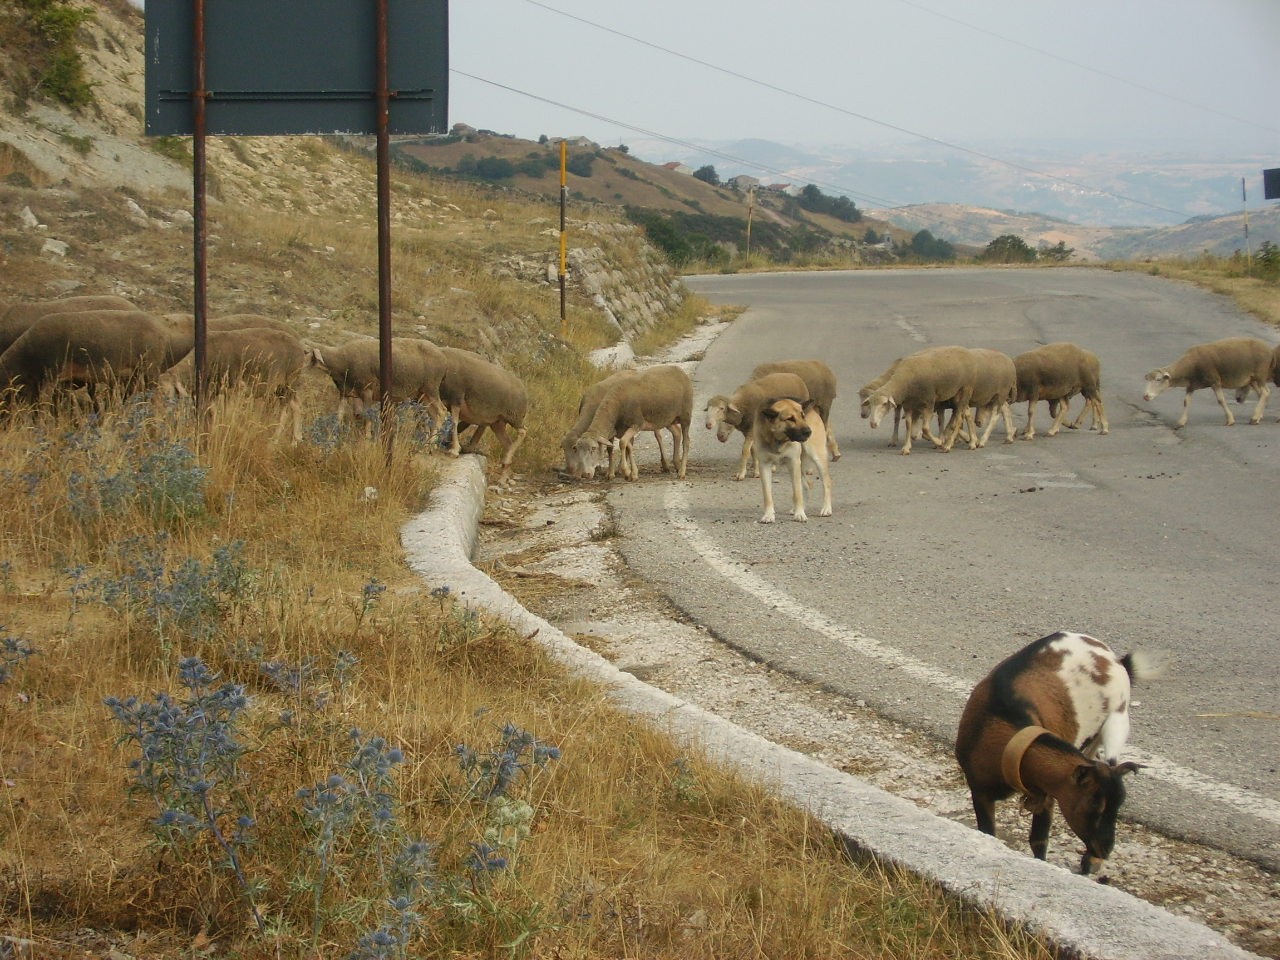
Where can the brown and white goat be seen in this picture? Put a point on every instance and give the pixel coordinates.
(1049, 723)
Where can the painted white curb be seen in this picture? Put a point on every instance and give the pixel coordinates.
(1077, 915)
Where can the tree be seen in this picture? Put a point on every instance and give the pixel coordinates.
(707, 174)
(1060, 253)
(871, 237)
(1008, 248)
(579, 164)
(928, 247)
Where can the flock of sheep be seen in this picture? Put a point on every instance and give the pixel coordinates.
(88, 342)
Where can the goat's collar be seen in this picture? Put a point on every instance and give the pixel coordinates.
(1011, 759)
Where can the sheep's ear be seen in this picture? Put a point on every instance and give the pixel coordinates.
(808, 405)
(313, 355)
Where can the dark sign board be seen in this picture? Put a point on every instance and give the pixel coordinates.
(1271, 183)
(277, 67)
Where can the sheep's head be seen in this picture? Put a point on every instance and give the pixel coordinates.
(1158, 381)
(875, 406)
(586, 456)
(718, 412)
(1090, 802)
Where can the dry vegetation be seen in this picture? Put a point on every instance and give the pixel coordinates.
(1231, 277)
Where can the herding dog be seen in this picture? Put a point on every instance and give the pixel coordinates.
(788, 431)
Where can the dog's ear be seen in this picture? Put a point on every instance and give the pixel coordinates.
(769, 413)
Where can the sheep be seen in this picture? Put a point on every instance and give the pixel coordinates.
(232, 321)
(591, 398)
(1235, 363)
(19, 316)
(264, 358)
(71, 350)
(821, 383)
(725, 414)
(920, 382)
(657, 398)
(1037, 725)
(1056, 372)
(483, 394)
(994, 386)
(417, 369)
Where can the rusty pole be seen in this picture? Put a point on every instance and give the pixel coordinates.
(383, 94)
(199, 97)
(564, 241)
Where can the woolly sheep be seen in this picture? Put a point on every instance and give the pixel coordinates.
(1056, 372)
(657, 398)
(265, 359)
(1237, 363)
(482, 394)
(417, 369)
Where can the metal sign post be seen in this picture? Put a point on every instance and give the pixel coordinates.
(288, 67)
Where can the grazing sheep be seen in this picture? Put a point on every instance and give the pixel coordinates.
(591, 398)
(232, 321)
(1235, 363)
(1056, 372)
(821, 383)
(265, 359)
(738, 412)
(69, 350)
(18, 317)
(483, 394)
(656, 398)
(918, 385)
(417, 369)
(1038, 723)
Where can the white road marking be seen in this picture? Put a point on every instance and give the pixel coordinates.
(677, 506)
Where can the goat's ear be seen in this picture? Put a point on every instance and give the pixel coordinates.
(1127, 767)
(1082, 773)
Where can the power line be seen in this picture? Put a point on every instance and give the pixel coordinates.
(859, 116)
(1084, 66)
(676, 141)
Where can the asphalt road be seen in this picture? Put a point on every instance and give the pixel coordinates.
(936, 566)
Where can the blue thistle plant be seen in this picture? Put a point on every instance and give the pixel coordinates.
(14, 652)
(189, 765)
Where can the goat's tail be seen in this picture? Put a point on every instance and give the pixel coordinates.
(1141, 666)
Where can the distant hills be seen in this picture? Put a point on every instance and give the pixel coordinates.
(1104, 204)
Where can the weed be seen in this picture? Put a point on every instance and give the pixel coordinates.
(14, 652)
(190, 766)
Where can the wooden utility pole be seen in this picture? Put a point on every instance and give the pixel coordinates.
(564, 237)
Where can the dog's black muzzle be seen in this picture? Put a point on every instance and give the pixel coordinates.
(799, 434)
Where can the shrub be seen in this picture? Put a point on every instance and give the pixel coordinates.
(1008, 248)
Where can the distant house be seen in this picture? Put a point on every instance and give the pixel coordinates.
(678, 167)
(743, 183)
(777, 187)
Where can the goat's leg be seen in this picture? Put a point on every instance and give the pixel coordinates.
(984, 811)
(1040, 822)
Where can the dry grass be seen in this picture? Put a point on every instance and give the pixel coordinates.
(1227, 276)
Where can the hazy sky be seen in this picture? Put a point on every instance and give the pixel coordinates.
(1204, 73)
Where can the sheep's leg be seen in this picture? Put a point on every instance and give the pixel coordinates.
(991, 422)
(744, 456)
(1029, 431)
(1186, 408)
(662, 454)
(1063, 406)
(509, 444)
(1263, 392)
(909, 422)
(679, 448)
(1088, 407)
(1099, 415)
(1040, 823)
(766, 483)
(455, 446)
(1222, 402)
(626, 443)
(962, 403)
(897, 415)
(833, 448)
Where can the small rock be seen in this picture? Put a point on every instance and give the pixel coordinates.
(29, 220)
(56, 247)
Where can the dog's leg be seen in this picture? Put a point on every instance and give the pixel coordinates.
(766, 483)
(797, 484)
(821, 464)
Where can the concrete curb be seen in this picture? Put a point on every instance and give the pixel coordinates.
(1080, 917)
